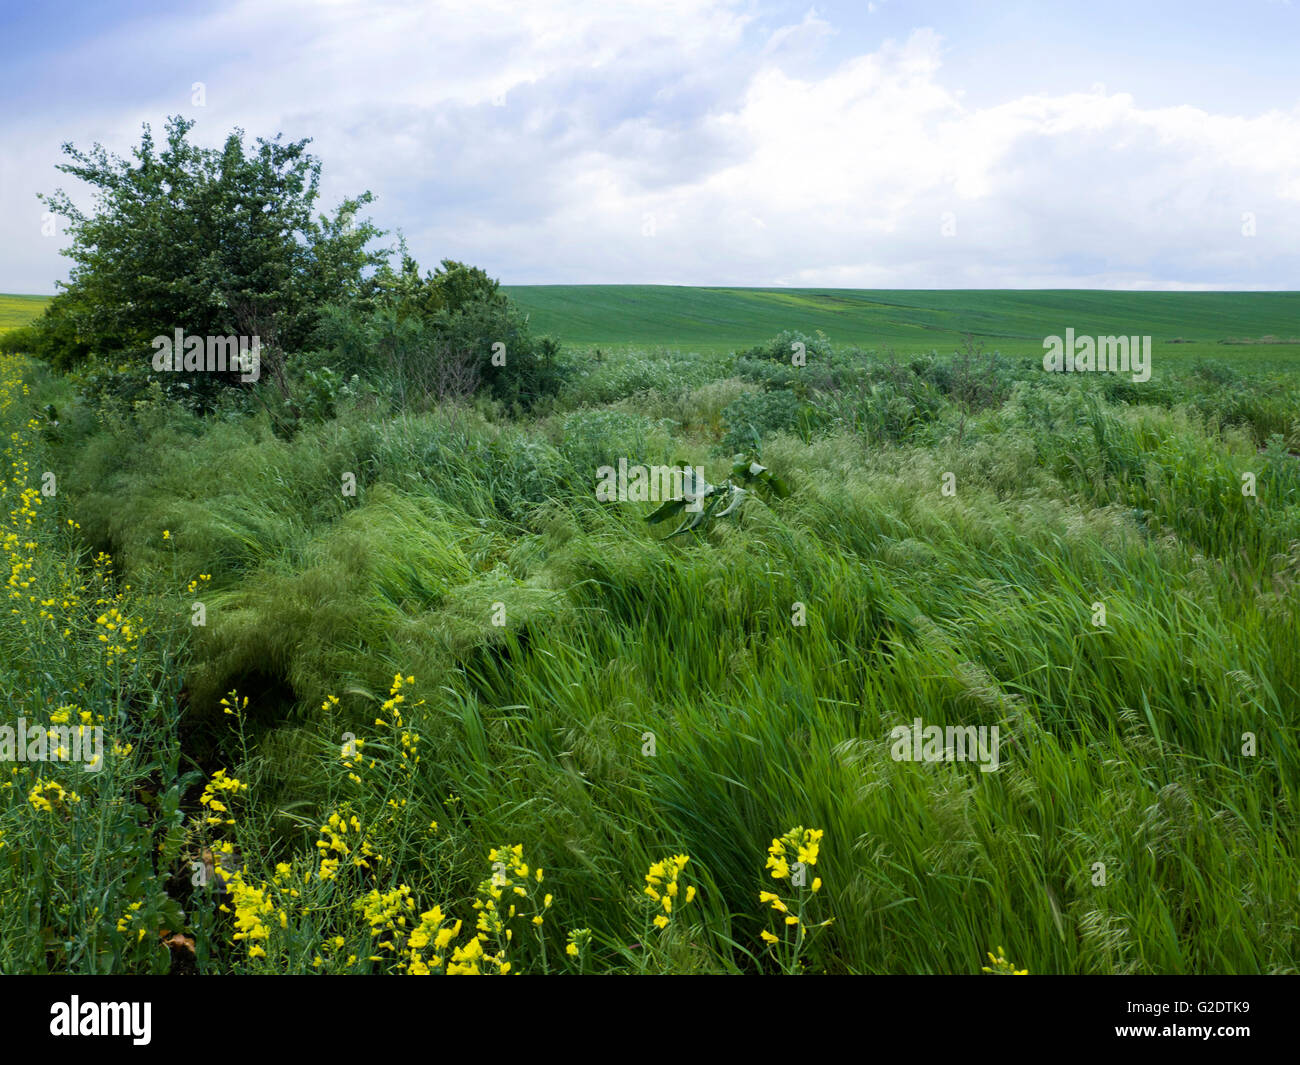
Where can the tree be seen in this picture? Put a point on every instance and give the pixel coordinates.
(449, 290)
(441, 337)
(215, 242)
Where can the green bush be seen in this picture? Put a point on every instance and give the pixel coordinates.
(893, 411)
(595, 378)
(783, 347)
(493, 338)
(213, 242)
(756, 415)
(25, 340)
(482, 345)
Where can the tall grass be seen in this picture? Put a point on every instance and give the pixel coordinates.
(605, 698)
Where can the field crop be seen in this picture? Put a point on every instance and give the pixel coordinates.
(1186, 326)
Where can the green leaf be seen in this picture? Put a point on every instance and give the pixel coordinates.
(737, 497)
(698, 518)
(667, 510)
(777, 486)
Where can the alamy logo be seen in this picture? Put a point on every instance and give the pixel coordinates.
(53, 743)
(102, 1018)
(1108, 354)
(195, 354)
(946, 743)
(651, 484)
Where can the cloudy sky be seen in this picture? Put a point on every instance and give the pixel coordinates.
(991, 144)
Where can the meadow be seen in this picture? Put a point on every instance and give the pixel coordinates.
(1185, 326)
(470, 719)
(16, 311)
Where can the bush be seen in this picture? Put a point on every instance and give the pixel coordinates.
(1266, 409)
(1215, 372)
(23, 340)
(782, 347)
(600, 379)
(772, 364)
(212, 242)
(492, 338)
(697, 410)
(482, 345)
(756, 415)
(890, 412)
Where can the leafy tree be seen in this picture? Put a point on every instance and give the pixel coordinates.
(440, 336)
(450, 289)
(215, 242)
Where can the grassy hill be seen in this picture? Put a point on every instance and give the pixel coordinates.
(1184, 325)
(19, 310)
(721, 319)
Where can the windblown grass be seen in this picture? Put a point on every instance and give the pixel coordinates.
(604, 697)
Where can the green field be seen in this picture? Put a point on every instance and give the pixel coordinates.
(1014, 322)
(19, 310)
(1246, 327)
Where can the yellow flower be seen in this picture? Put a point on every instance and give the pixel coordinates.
(665, 874)
(804, 842)
(1002, 967)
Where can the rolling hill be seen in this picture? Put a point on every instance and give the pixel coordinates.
(720, 319)
(1253, 326)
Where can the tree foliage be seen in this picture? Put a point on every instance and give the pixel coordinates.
(442, 335)
(214, 242)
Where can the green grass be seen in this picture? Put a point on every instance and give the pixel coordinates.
(548, 635)
(1015, 322)
(16, 311)
(1184, 325)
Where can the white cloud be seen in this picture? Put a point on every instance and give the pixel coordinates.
(537, 139)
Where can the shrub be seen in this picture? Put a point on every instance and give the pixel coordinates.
(605, 379)
(215, 242)
(888, 412)
(782, 347)
(756, 415)
(23, 340)
(492, 337)
(1215, 372)
(482, 344)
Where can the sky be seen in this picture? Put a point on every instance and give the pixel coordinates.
(884, 144)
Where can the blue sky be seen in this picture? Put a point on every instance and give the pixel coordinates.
(882, 144)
